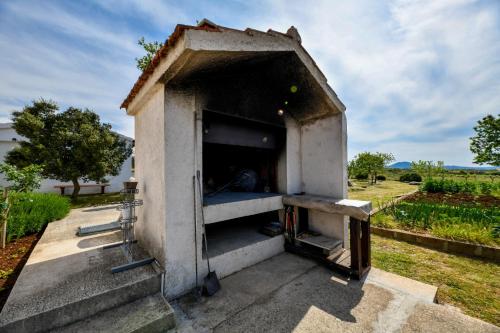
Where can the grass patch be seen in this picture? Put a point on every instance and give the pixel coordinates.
(470, 284)
(379, 193)
(87, 200)
(30, 212)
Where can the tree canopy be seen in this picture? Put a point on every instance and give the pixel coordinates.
(486, 143)
(70, 145)
(151, 48)
(371, 164)
(428, 168)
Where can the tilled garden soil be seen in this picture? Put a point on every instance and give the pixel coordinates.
(488, 201)
(12, 260)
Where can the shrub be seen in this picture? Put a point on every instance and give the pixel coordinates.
(30, 212)
(410, 177)
(454, 186)
(361, 176)
(486, 188)
(26, 179)
(381, 177)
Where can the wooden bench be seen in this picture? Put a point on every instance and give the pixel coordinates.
(62, 187)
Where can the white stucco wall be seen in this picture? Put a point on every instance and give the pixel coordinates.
(324, 162)
(150, 173)
(180, 166)
(7, 133)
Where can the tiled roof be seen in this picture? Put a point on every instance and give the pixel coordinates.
(162, 53)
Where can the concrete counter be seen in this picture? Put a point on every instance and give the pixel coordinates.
(355, 208)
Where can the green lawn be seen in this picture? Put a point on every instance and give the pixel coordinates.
(87, 200)
(379, 193)
(470, 284)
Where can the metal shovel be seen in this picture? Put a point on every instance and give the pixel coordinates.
(211, 282)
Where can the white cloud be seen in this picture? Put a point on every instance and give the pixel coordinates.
(66, 57)
(407, 70)
(415, 75)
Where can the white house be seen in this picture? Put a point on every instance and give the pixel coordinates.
(9, 139)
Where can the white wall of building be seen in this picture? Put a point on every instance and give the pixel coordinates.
(7, 143)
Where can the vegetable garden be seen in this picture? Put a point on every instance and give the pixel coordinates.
(464, 211)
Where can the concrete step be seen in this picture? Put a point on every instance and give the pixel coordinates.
(79, 305)
(149, 314)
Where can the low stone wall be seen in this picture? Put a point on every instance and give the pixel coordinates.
(446, 245)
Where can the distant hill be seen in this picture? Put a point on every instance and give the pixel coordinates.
(400, 165)
(406, 165)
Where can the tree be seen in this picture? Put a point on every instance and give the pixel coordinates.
(151, 48)
(26, 179)
(486, 143)
(70, 145)
(427, 169)
(351, 169)
(371, 164)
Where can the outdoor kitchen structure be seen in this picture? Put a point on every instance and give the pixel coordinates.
(252, 112)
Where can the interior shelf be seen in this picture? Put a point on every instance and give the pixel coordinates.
(226, 236)
(228, 197)
(327, 244)
(231, 205)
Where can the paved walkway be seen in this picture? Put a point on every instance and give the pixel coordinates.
(290, 294)
(64, 269)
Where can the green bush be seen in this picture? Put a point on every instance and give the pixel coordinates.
(487, 188)
(30, 212)
(410, 177)
(454, 186)
(361, 176)
(381, 177)
(25, 179)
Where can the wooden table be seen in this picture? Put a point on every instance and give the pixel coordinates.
(356, 261)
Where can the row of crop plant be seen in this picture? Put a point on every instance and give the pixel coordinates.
(466, 219)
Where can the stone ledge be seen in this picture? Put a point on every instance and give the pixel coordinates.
(441, 244)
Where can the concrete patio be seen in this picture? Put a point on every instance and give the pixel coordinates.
(67, 286)
(290, 294)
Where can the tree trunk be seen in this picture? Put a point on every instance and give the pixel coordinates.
(76, 188)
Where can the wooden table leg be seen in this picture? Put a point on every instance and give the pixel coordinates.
(355, 241)
(62, 190)
(102, 189)
(366, 244)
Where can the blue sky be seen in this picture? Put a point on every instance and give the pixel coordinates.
(415, 75)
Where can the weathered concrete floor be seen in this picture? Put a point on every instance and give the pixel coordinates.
(290, 294)
(64, 268)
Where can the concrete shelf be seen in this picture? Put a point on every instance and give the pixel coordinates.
(229, 236)
(238, 246)
(231, 205)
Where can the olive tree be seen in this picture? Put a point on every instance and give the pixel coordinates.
(71, 145)
(428, 169)
(486, 143)
(371, 164)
